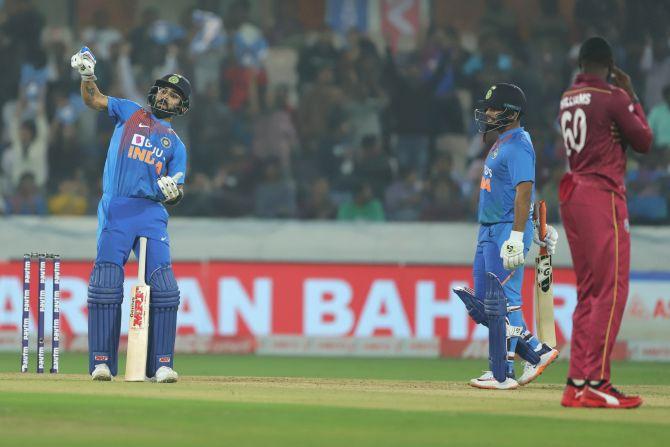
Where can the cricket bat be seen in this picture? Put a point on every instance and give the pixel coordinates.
(544, 295)
(138, 328)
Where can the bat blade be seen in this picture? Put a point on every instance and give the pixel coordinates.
(544, 300)
(138, 334)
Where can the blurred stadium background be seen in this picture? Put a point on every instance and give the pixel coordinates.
(333, 161)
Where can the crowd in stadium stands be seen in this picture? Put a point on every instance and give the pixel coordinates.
(355, 131)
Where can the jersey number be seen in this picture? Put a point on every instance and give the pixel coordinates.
(573, 128)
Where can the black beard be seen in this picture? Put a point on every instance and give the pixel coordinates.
(160, 114)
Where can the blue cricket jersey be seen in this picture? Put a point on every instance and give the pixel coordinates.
(510, 161)
(142, 149)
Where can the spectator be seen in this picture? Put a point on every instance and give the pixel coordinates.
(646, 201)
(444, 202)
(100, 36)
(210, 127)
(275, 135)
(320, 107)
(70, 199)
(314, 57)
(275, 196)
(27, 199)
(659, 121)
(362, 207)
(655, 64)
(201, 195)
(234, 184)
(412, 99)
(403, 198)
(374, 165)
(142, 40)
(28, 147)
(318, 204)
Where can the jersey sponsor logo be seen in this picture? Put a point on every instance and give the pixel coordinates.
(486, 179)
(143, 125)
(142, 149)
(138, 140)
(582, 99)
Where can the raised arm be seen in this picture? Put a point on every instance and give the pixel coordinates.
(92, 96)
(629, 116)
(84, 62)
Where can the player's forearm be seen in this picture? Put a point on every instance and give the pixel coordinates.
(91, 95)
(522, 205)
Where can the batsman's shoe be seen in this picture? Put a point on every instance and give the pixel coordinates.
(165, 374)
(604, 395)
(532, 372)
(487, 382)
(101, 373)
(572, 395)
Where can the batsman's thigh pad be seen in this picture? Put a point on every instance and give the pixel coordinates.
(163, 305)
(495, 307)
(105, 295)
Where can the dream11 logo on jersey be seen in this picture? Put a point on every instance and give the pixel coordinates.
(141, 149)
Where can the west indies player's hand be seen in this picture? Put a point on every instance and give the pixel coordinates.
(169, 186)
(511, 251)
(621, 79)
(84, 62)
(550, 239)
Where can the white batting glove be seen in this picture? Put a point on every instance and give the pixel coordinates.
(550, 239)
(84, 62)
(169, 187)
(511, 251)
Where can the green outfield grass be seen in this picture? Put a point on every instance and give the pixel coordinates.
(271, 401)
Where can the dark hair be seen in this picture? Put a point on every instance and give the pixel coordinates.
(30, 125)
(368, 141)
(595, 51)
(359, 186)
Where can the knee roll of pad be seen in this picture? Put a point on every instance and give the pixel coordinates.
(163, 305)
(105, 295)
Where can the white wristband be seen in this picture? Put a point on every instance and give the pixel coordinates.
(516, 236)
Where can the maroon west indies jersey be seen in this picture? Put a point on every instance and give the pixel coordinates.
(588, 109)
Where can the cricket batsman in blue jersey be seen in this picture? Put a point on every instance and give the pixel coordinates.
(506, 229)
(144, 170)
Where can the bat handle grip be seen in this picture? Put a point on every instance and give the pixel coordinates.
(542, 217)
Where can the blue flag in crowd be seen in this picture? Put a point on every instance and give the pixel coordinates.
(342, 15)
